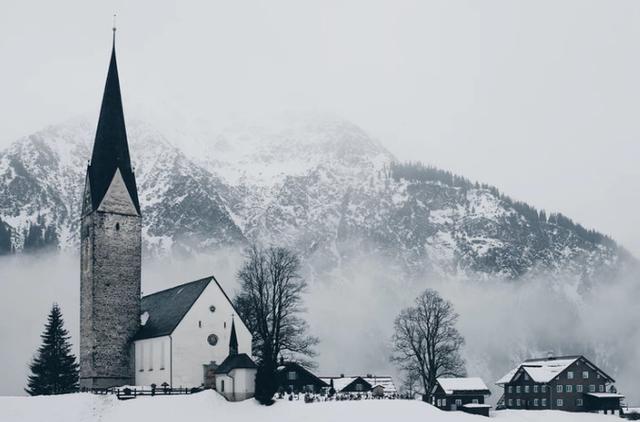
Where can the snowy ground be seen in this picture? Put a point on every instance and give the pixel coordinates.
(209, 405)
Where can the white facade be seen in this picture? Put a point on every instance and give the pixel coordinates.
(238, 384)
(180, 358)
(153, 361)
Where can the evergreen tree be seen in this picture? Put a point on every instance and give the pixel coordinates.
(54, 369)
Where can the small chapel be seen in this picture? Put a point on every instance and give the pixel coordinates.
(187, 336)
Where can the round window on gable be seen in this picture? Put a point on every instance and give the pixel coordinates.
(117, 226)
(212, 308)
(212, 339)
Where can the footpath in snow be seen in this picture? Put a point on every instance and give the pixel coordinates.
(208, 405)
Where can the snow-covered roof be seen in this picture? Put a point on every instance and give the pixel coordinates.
(449, 385)
(339, 383)
(541, 370)
(606, 395)
(386, 382)
(476, 405)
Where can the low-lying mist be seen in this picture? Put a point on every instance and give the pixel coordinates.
(351, 308)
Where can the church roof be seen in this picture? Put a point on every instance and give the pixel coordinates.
(241, 361)
(110, 148)
(166, 308)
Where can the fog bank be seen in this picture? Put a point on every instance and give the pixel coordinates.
(351, 308)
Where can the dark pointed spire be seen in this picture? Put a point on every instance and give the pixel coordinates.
(111, 149)
(233, 340)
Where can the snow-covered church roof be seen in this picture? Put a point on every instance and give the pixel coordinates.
(165, 309)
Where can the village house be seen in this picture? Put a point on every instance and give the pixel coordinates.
(465, 394)
(377, 386)
(569, 383)
(348, 385)
(294, 378)
(382, 386)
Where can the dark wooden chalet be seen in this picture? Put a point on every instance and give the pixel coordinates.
(569, 383)
(292, 377)
(464, 394)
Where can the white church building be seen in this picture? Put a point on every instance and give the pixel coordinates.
(185, 331)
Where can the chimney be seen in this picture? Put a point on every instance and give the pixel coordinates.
(550, 355)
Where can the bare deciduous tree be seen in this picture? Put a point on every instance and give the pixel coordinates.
(426, 341)
(270, 302)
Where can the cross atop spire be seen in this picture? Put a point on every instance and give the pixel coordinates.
(114, 29)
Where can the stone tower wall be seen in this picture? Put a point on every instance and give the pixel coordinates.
(110, 298)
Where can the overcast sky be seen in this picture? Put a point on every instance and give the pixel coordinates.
(540, 98)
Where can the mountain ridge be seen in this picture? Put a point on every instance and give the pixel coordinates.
(317, 185)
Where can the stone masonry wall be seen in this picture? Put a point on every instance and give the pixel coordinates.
(110, 298)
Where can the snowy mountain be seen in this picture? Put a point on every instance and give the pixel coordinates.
(317, 184)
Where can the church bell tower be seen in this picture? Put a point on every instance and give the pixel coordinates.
(110, 255)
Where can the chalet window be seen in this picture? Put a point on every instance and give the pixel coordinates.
(569, 389)
(291, 376)
(535, 402)
(526, 388)
(358, 387)
(517, 389)
(601, 388)
(444, 402)
(579, 388)
(510, 389)
(559, 388)
(544, 388)
(559, 402)
(474, 401)
(458, 402)
(585, 375)
(570, 375)
(578, 402)
(526, 377)
(517, 402)
(592, 388)
(510, 402)
(535, 388)
(438, 403)
(543, 402)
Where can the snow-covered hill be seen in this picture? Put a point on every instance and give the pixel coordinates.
(320, 185)
(209, 405)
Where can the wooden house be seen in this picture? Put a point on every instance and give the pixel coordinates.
(294, 378)
(464, 394)
(352, 385)
(569, 383)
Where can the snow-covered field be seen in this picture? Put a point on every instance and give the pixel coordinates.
(209, 405)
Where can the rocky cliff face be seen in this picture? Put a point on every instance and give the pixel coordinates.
(319, 185)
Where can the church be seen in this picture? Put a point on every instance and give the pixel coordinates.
(177, 337)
